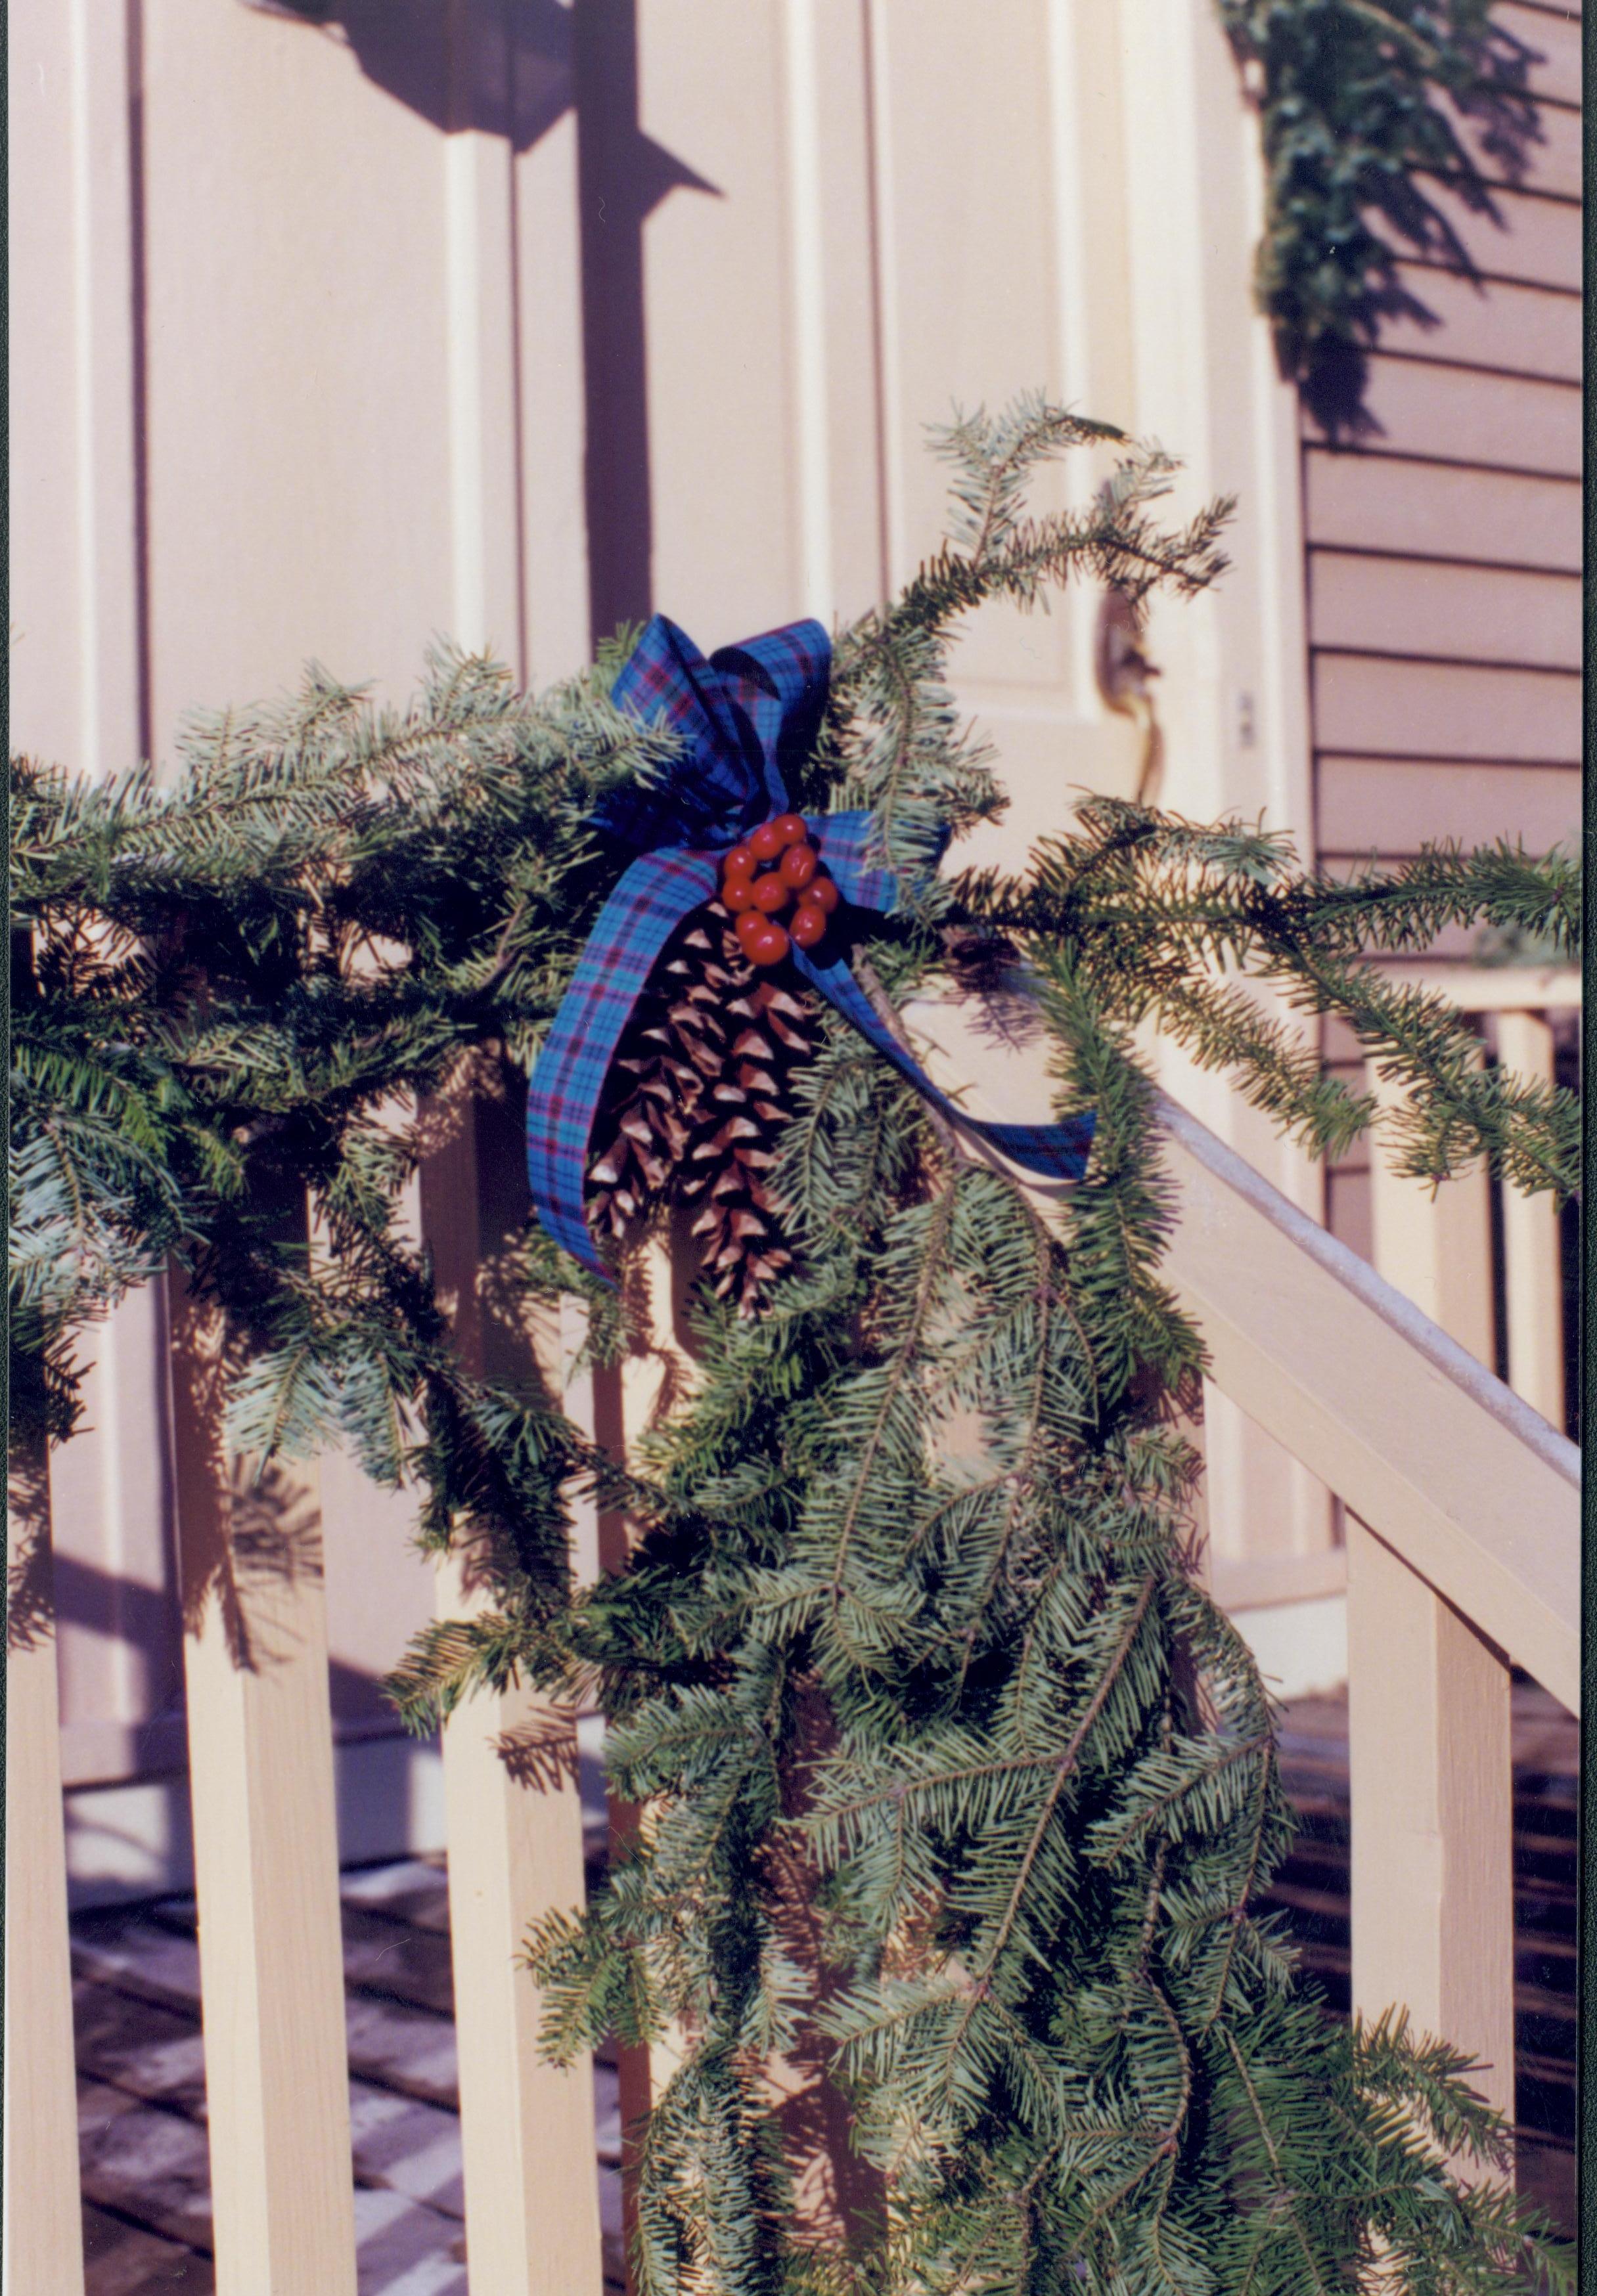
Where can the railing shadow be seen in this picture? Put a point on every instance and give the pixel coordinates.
(30, 1590)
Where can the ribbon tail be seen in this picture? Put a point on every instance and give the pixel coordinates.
(851, 846)
(1054, 1152)
(652, 897)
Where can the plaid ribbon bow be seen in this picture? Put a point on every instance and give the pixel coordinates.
(740, 717)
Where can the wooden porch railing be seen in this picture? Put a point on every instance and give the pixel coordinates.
(1463, 1560)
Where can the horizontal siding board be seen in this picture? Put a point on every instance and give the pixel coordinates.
(1421, 709)
(1406, 805)
(1537, 238)
(1553, 34)
(1533, 330)
(1551, 162)
(1556, 159)
(1457, 414)
(1404, 606)
(1489, 517)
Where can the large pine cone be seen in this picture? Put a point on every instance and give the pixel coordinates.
(696, 1100)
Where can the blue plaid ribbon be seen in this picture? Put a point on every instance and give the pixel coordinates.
(740, 719)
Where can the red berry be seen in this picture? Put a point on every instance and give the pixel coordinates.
(824, 893)
(809, 923)
(798, 865)
(750, 923)
(770, 894)
(739, 859)
(737, 893)
(790, 828)
(767, 841)
(768, 946)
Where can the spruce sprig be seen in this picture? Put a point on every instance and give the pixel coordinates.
(912, 1608)
(1366, 112)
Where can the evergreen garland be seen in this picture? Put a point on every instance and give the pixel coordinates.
(912, 1606)
(1360, 108)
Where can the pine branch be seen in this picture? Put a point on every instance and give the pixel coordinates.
(938, 1496)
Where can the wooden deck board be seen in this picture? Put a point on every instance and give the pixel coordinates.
(124, 2259)
(142, 2095)
(1311, 1887)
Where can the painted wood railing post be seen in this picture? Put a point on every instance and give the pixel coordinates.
(1430, 1789)
(625, 1398)
(514, 1817)
(1429, 1738)
(1530, 1245)
(265, 1843)
(43, 2232)
(1436, 1248)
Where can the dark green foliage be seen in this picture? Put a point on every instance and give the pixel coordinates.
(1360, 108)
(1158, 919)
(913, 1599)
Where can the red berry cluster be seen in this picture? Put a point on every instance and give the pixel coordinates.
(777, 869)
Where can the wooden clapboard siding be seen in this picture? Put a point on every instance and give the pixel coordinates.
(1553, 34)
(1394, 606)
(1417, 800)
(1375, 706)
(1444, 544)
(1537, 238)
(1511, 330)
(1438, 411)
(1445, 548)
(1556, 158)
(1466, 517)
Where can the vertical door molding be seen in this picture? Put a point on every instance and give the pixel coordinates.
(1233, 693)
(105, 271)
(479, 200)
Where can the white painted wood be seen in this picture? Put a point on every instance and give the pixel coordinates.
(515, 1851)
(1233, 694)
(299, 286)
(1262, 1581)
(1478, 1494)
(480, 276)
(1435, 1246)
(1532, 1270)
(109, 572)
(43, 2238)
(265, 1845)
(120, 1640)
(514, 1829)
(1432, 1870)
(549, 367)
(1431, 1786)
(625, 1400)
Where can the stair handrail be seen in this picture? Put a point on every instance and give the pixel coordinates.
(1451, 1469)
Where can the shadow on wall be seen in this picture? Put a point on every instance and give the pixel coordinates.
(514, 71)
(148, 1621)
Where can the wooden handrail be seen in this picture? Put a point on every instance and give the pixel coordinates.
(1460, 1478)
(1464, 1481)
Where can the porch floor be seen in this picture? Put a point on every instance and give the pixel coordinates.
(1311, 1887)
(141, 2054)
(146, 2181)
